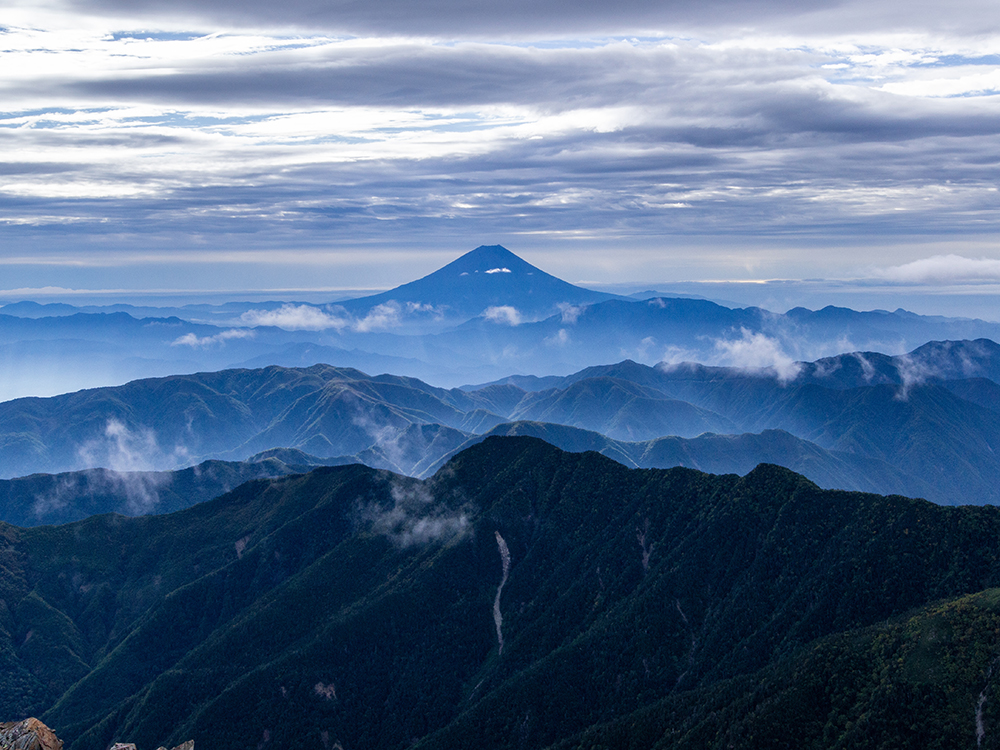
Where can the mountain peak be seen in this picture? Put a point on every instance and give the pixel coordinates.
(489, 276)
(490, 259)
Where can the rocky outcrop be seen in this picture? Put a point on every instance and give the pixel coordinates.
(29, 734)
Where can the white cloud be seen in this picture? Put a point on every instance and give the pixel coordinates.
(295, 318)
(499, 270)
(943, 269)
(976, 83)
(867, 369)
(196, 342)
(415, 308)
(380, 317)
(753, 350)
(571, 313)
(309, 318)
(416, 517)
(503, 314)
(674, 355)
(131, 455)
(560, 338)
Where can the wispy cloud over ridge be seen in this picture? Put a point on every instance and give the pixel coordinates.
(416, 516)
(755, 350)
(504, 314)
(312, 318)
(195, 341)
(296, 318)
(131, 457)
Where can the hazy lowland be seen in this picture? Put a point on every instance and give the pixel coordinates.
(471, 511)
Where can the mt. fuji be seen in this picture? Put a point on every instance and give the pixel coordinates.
(488, 277)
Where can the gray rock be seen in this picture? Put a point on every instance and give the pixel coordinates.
(29, 734)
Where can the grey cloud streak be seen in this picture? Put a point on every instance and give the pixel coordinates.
(509, 191)
(462, 17)
(545, 18)
(411, 75)
(725, 88)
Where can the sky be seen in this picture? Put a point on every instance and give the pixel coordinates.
(221, 146)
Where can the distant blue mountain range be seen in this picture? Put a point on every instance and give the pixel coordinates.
(926, 423)
(485, 316)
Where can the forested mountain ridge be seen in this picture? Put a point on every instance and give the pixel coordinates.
(523, 597)
(42, 499)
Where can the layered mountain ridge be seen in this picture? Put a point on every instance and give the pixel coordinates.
(858, 421)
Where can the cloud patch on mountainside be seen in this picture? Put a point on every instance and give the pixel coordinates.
(416, 516)
(504, 314)
(132, 457)
(750, 350)
(754, 350)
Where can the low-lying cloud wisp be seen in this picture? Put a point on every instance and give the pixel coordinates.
(132, 458)
(570, 313)
(947, 360)
(291, 317)
(140, 491)
(380, 317)
(754, 350)
(196, 342)
(503, 314)
(416, 517)
(944, 269)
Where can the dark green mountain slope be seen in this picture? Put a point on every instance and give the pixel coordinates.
(357, 607)
(727, 454)
(922, 680)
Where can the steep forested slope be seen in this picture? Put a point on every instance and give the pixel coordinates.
(522, 597)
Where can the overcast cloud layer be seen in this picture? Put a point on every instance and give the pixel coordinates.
(302, 143)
